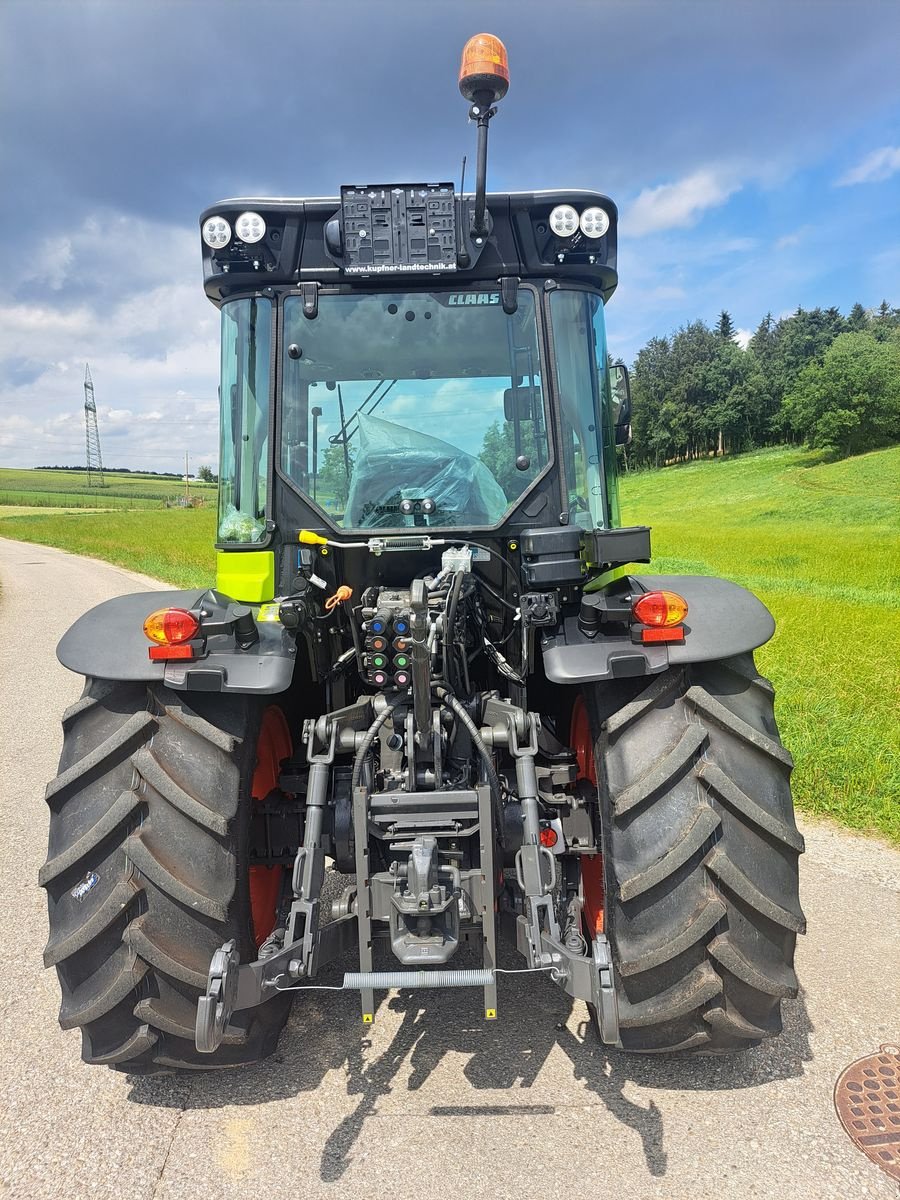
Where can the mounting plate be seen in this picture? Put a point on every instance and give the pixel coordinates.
(396, 228)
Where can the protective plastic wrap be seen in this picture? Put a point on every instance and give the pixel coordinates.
(394, 463)
(235, 526)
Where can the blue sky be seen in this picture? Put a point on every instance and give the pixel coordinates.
(753, 149)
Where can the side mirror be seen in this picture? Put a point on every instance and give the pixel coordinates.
(620, 386)
(519, 403)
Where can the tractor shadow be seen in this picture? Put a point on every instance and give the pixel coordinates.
(537, 1022)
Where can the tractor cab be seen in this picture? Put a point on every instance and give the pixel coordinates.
(385, 370)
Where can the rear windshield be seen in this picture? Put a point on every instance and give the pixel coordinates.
(413, 408)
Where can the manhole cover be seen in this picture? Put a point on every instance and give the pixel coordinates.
(867, 1099)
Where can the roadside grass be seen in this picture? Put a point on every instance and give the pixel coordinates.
(172, 544)
(818, 542)
(820, 545)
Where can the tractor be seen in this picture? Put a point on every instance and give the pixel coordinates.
(432, 701)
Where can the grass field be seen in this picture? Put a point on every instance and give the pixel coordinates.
(69, 489)
(818, 542)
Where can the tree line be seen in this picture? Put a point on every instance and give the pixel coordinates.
(205, 474)
(815, 377)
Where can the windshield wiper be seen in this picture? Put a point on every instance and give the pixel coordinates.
(345, 433)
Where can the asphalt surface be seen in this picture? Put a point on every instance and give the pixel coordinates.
(429, 1100)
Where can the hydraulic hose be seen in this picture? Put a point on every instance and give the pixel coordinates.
(371, 735)
(450, 701)
(452, 602)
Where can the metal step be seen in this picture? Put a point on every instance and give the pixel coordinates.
(360, 980)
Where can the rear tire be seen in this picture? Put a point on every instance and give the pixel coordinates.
(147, 872)
(701, 859)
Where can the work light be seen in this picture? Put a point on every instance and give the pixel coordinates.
(594, 222)
(564, 220)
(250, 227)
(216, 232)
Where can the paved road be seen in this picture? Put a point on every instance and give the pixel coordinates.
(430, 1100)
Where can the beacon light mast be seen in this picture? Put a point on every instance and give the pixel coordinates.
(483, 81)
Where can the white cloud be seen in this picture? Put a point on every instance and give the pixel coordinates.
(874, 168)
(742, 337)
(149, 333)
(789, 239)
(677, 205)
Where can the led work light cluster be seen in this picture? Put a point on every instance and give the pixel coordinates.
(249, 228)
(565, 221)
(387, 650)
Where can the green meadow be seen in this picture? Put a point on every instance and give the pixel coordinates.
(819, 542)
(69, 489)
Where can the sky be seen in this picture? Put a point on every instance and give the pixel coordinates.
(752, 148)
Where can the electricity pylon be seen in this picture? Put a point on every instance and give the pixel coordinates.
(92, 433)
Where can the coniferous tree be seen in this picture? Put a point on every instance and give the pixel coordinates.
(858, 318)
(725, 327)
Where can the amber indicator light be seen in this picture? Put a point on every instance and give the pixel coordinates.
(168, 626)
(660, 608)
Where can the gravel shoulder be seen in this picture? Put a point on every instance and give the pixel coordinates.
(529, 1105)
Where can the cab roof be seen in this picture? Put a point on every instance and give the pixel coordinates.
(418, 234)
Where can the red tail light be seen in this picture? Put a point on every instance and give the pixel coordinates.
(660, 608)
(169, 626)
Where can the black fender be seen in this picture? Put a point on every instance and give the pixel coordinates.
(108, 642)
(723, 620)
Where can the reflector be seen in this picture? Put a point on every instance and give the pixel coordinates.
(663, 634)
(162, 653)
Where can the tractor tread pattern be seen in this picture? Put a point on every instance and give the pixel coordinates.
(720, 865)
(153, 952)
(78, 850)
(699, 830)
(154, 775)
(226, 742)
(142, 1039)
(142, 876)
(702, 984)
(94, 999)
(133, 731)
(779, 981)
(151, 867)
(69, 941)
(727, 791)
(701, 854)
(711, 708)
(698, 925)
(664, 772)
(656, 692)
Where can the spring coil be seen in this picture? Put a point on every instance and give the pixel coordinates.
(417, 979)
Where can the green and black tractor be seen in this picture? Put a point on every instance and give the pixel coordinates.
(431, 702)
